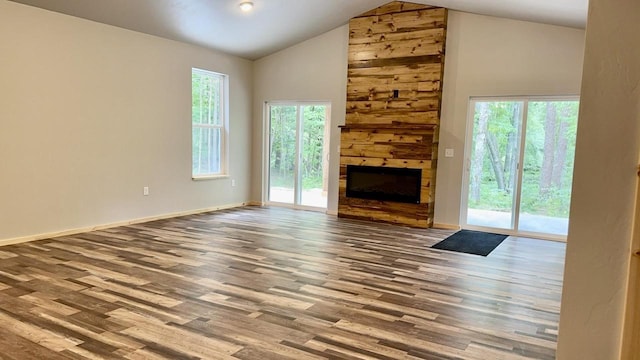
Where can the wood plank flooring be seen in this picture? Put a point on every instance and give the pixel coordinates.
(272, 283)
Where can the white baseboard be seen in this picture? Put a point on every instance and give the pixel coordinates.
(446, 226)
(42, 236)
(332, 212)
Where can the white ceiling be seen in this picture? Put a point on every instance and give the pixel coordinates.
(277, 24)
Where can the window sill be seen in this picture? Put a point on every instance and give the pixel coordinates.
(209, 177)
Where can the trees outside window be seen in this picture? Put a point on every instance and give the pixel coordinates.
(540, 136)
(298, 153)
(209, 122)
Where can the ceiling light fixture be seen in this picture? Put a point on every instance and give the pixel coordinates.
(246, 6)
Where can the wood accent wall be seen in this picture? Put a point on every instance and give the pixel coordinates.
(398, 46)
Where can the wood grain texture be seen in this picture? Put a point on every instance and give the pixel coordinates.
(400, 121)
(394, 91)
(399, 22)
(272, 283)
(395, 7)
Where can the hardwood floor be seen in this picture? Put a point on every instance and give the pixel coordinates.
(272, 283)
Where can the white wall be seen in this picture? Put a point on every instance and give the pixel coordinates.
(89, 114)
(604, 186)
(488, 56)
(312, 70)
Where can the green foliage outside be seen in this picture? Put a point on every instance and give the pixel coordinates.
(548, 160)
(206, 118)
(205, 99)
(283, 146)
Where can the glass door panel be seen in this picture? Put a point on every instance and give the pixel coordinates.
(298, 154)
(282, 153)
(548, 166)
(314, 156)
(520, 165)
(493, 171)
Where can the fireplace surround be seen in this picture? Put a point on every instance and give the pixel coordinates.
(394, 92)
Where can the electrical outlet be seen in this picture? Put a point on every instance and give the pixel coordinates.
(145, 191)
(448, 152)
(233, 182)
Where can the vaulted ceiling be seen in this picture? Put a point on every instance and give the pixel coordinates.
(276, 24)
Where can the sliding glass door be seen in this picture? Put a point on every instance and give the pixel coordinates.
(492, 166)
(298, 154)
(520, 165)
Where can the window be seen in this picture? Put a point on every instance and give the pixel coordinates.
(520, 164)
(297, 159)
(209, 123)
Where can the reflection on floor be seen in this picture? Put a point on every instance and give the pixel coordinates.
(528, 222)
(276, 283)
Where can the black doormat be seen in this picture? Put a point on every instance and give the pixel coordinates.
(471, 242)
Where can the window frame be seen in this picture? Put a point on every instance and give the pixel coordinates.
(515, 229)
(223, 126)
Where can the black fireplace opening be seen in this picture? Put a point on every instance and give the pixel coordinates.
(384, 183)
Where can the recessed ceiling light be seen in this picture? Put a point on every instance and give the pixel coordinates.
(246, 6)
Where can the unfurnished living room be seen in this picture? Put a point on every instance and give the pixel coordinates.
(319, 179)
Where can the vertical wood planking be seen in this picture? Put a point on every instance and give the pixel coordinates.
(398, 47)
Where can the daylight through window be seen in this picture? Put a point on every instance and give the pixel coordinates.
(208, 118)
(520, 163)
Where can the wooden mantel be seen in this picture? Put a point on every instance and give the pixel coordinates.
(394, 92)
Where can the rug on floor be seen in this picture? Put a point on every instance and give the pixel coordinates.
(471, 242)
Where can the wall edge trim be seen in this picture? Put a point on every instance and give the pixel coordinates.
(446, 226)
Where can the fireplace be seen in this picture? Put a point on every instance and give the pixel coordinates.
(384, 183)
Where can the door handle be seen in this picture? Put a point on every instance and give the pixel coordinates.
(637, 253)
